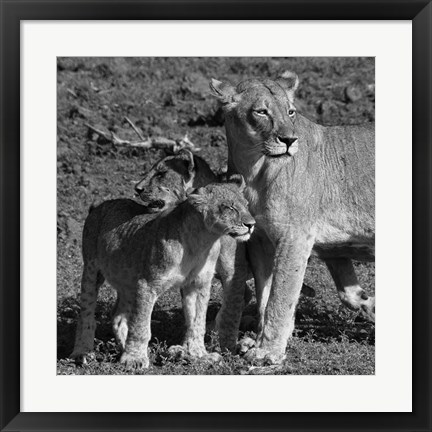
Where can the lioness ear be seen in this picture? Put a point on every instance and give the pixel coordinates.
(238, 180)
(289, 81)
(225, 92)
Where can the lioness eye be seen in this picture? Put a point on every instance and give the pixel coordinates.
(291, 112)
(262, 112)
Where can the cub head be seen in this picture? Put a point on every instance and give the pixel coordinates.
(260, 115)
(224, 208)
(168, 181)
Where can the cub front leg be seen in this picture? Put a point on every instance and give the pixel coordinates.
(350, 292)
(290, 264)
(91, 281)
(195, 298)
(135, 354)
(234, 284)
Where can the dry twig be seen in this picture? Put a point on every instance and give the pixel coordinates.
(137, 131)
(156, 142)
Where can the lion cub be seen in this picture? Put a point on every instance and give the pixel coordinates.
(142, 255)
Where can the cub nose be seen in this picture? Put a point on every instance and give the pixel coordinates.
(249, 223)
(288, 140)
(139, 188)
(157, 204)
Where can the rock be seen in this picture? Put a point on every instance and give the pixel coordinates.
(199, 85)
(73, 230)
(76, 169)
(212, 117)
(352, 94)
(156, 131)
(69, 64)
(328, 111)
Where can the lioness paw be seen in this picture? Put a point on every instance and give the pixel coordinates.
(264, 356)
(194, 348)
(131, 361)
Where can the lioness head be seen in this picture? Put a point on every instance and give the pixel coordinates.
(167, 182)
(224, 208)
(260, 115)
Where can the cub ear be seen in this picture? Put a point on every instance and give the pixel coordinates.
(183, 163)
(188, 158)
(161, 166)
(225, 92)
(238, 180)
(197, 197)
(289, 81)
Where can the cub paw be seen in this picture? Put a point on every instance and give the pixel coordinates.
(368, 309)
(177, 352)
(131, 361)
(245, 345)
(212, 358)
(264, 356)
(81, 358)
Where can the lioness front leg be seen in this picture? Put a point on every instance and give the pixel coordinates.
(260, 252)
(135, 354)
(289, 268)
(261, 256)
(350, 292)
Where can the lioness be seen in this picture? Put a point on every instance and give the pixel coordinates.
(142, 255)
(165, 185)
(311, 189)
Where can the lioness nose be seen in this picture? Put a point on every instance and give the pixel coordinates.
(288, 140)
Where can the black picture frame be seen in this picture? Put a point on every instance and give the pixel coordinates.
(12, 12)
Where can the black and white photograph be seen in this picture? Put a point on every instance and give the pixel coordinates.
(216, 215)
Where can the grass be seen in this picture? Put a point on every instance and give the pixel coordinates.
(328, 339)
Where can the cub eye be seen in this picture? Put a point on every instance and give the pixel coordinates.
(261, 112)
(291, 112)
(228, 207)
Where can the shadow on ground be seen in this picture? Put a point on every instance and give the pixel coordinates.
(313, 323)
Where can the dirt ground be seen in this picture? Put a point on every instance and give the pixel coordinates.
(170, 98)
